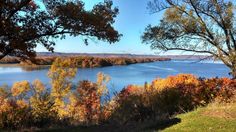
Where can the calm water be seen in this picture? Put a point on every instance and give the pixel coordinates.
(123, 75)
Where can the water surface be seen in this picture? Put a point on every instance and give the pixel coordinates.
(123, 75)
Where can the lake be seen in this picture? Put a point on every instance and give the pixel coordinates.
(122, 76)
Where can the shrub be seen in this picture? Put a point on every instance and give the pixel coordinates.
(131, 105)
(169, 102)
(19, 89)
(41, 105)
(87, 101)
(167, 97)
(14, 114)
(61, 73)
(13, 107)
(175, 81)
(227, 90)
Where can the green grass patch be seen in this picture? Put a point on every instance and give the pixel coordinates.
(215, 117)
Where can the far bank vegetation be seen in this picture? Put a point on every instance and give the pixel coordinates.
(82, 61)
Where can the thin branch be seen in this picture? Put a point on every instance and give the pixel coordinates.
(192, 50)
(223, 24)
(211, 38)
(204, 24)
(18, 8)
(52, 34)
(233, 39)
(204, 58)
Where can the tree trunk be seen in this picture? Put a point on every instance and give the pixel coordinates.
(233, 73)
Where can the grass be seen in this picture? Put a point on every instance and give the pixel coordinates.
(215, 117)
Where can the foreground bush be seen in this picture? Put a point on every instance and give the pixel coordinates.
(167, 97)
(86, 104)
(27, 105)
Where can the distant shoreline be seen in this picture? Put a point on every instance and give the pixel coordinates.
(90, 60)
(79, 61)
(107, 55)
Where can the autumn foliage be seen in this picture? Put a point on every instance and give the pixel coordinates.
(81, 61)
(34, 105)
(164, 98)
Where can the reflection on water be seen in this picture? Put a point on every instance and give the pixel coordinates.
(16, 68)
(34, 68)
(122, 75)
(4, 70)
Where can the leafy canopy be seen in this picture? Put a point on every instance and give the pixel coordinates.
(24, 24)
(200, 26)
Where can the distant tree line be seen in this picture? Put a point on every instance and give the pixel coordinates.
(83, 61)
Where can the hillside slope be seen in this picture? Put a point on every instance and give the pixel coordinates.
(215, 117)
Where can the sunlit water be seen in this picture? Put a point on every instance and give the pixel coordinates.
(122, 76)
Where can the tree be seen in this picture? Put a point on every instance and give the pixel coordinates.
(88, 104)
(62, 72)
(200, 26)
(24, 24)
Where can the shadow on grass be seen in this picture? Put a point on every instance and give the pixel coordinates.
(161, 125)
(131, 127)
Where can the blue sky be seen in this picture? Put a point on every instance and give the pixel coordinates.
(131, 22)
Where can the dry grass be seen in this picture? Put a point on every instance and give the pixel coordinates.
(221, 110)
